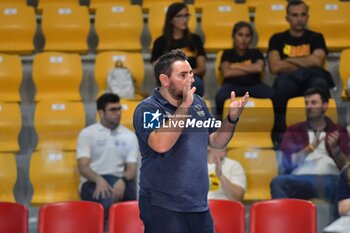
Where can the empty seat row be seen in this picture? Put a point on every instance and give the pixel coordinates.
(282, 215)
(59, 75)
(120, 27)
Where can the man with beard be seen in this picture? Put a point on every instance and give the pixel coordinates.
(107, 156)
(297, 56)
(173, 141)
(313, 153)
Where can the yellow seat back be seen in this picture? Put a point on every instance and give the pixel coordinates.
(270, 19)
(156, 19)
(17, 28)
(10, 126)
(218, 20)
(57, 76)
(147, 4)
(119, 27)
(10, 77)
(253, 4)
(94, 4)
(199, 4)
(218, 74)
(66, 28)
(255, 124)
(260, 167)
(331, 18)
(54, 176)
(105, 61)
(296, 110)
(8, 177)
(58, 124)
(344, 72)
(47, 3)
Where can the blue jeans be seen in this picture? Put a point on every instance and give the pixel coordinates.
(88, 189)
(160, 220)
(306, 187)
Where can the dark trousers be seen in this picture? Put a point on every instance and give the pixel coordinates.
(291, 85)
(88, 188)
(160, 220)
(260, 90)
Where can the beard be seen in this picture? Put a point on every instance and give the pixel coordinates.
(177, 94)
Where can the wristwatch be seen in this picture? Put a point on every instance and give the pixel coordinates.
(233, 122)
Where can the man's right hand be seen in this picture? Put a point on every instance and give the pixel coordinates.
(103, 189)
(187, 93)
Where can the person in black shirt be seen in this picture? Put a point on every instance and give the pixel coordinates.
(241, 68)
(176, 35)
(297, 57)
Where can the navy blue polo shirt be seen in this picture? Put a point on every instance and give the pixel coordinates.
(177, 179)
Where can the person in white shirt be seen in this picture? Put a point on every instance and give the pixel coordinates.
(107, 155)
(227, 177)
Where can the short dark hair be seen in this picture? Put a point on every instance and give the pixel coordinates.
(325, 95)
(106, 98)
(242, 24)
(164, 64)
(296, 3)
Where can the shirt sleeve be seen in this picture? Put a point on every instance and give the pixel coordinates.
(318, 42)
(83, 145)
(158, 49)
(275, 43)
(235, 173)
(132, 149)
(199, 44)
(226, 56)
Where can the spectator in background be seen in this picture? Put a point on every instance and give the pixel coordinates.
(107, 156)
(313, 153)
(297, 57)
(227, 178)
(241, 68)
(176, 35)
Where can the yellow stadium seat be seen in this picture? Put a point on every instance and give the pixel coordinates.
(54, 176)
(199, 4)
(296, 110)
(17, 29)
(270, 19)
(156, 19)
(47, 3)
(253, 4)
(66, 29)
(94, 4)
(255, 124)
(147, 4)
(217, 24)
(10, 77)
(119, 27)
(218, 74)
(57, 76)
(105, 61)
(331, 18)
(344, 71)
(12, 2)
(260, 167)
(58, 124)
(8, 177)
(10, 126)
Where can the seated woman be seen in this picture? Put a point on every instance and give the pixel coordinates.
(176, 35)
(241, 68)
